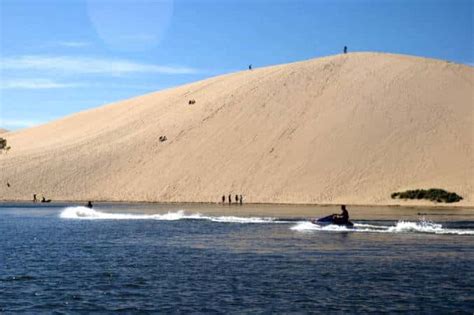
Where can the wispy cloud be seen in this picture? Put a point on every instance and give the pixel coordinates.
(73, 44)
(87, 65)
(43, 84)
(34, 84)
(12, 124)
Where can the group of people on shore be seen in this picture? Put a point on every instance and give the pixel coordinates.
(43, 199)
(238, 199)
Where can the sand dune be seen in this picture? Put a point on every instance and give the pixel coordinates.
(341, 129)
(3, 130)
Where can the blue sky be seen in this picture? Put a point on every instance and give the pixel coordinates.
(58, 57)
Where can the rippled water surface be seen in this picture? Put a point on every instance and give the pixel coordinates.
(193, 259)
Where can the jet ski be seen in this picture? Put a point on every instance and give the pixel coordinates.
(332, 219)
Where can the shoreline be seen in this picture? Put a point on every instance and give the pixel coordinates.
(292, 212)
(253, 204)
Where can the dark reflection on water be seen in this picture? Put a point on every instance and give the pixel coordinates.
(53, 264)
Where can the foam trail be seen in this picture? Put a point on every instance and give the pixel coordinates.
(308, 226)
(84, 213)
(400, 227)
(426, 227)
(232, 219)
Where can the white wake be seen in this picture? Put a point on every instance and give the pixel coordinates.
(84, 213)
(400, 227)
(423, 226)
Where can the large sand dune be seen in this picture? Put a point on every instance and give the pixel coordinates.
(342, 129)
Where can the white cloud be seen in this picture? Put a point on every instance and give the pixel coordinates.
(74, 44)
(34, 84)
(43, 84)
(87, 65)
(12, 124)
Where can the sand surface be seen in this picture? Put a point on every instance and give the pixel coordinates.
(341, 129)
(3, 131)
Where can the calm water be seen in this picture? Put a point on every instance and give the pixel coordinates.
(119, 258)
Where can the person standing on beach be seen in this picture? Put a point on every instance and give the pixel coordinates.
(230, 199)
(241, 199)
(34, 198)
(236, 199)
(223, 198)
(345, 49)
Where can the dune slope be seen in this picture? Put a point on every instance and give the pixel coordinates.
(341, 129)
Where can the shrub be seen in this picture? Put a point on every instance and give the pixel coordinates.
(433, 194)
(4, 146)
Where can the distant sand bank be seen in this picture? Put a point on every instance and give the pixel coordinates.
(265, 210)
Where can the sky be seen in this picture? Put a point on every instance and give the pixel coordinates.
(58, 57)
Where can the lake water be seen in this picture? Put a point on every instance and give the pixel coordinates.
(206, 259)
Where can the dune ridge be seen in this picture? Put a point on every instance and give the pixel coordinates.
(340, 129)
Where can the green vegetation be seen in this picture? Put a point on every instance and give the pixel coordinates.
(433, 194)
(3, 145)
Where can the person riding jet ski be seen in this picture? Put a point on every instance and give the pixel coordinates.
(342, 218)
(338, 219)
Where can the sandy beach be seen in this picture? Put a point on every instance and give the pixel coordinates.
(341, 129)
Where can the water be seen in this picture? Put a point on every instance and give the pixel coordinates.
(205, 259)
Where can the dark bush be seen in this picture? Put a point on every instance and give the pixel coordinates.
(433, 194)
(3, 143)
